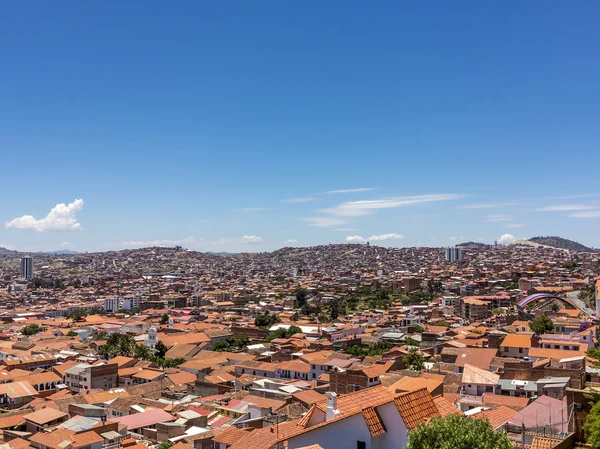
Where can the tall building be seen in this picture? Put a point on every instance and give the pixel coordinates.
(27, 268)
(453, 254)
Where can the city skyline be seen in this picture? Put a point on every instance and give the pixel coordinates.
(271, 125)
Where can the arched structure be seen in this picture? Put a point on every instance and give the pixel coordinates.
(537, 297)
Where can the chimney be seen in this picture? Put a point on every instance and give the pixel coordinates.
(332, 411)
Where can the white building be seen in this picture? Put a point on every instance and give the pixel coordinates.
(112, 305)
(453, 254)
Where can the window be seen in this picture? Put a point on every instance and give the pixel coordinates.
(361, 445)
(520, 350)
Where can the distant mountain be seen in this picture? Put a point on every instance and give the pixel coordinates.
(473, 245)
(559, 242)
(7, 252)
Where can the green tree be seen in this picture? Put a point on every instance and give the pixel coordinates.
(142, 352)
(324, 318)
(31, 329)
(591, 427)
(77, 315)
(555, 307)
(160, 349)
(119, 345)
(541, 325)
(414, 360)
(457, 432)
(301, 297)
(266, 320)
(164, 319)
(71, 334)
(165, 445)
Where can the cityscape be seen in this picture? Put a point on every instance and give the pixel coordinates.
(309, 225)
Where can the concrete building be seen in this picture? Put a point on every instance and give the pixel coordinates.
(453, 254)
(27, 268)
(84, 377)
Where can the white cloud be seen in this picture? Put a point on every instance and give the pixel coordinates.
(298, 200)
(565, 207)
(250, 209)
(497, 218)
(486, 205)
(7, 246)
(346, 229)
(361, 189)
(324, 222)
(367, 207)
(514, 225)
(572, 197)
(291, 241)
(62, 218)
(505, 239)
(355, 239)
(251, 239)
(65, 245)
(589, 214)
(453, 238)
(165, 242)
(390, 236)
(374, 238)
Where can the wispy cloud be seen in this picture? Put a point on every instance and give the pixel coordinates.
(360, 189)
(291, 241)
(251, 239)
(299, 200)
(324, 222)
(497, 218)
(588, 214)
(61, 218)
(355, 239)
(346, 229)
(368, 207)
(163, 242)
(374, 238)
(572, 197)
(250, 209)
(487, 205)
(565, 207)
(514, 225)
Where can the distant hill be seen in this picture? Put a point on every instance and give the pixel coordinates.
(63, 252)
(559, 242)
(7, 252)
(473, 245)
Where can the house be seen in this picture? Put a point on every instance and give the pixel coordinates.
(366, 419)
(85, 377)
(43, 418)
(475, 383)
(16, 394)
(518, 345)
(145, 420)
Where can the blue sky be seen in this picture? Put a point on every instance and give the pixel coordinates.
(196, 123)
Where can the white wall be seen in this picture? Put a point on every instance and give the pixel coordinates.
(344, 433)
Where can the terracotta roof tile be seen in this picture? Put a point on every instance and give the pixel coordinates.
(373, 421)
(416, 407)
(497, 415)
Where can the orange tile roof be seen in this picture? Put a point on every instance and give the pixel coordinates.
(230, 436)
(416, 407)
(517, 341)
(497, 415)
(374, 422)
(445, 407)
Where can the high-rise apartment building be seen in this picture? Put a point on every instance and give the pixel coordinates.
(453, 254)
(27, 268)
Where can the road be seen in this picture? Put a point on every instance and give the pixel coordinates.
(580, 304)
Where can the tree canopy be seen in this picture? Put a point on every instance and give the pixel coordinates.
(591, 426)
(541, 325)
(414, 360)
(457, 432)
(31, 329)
